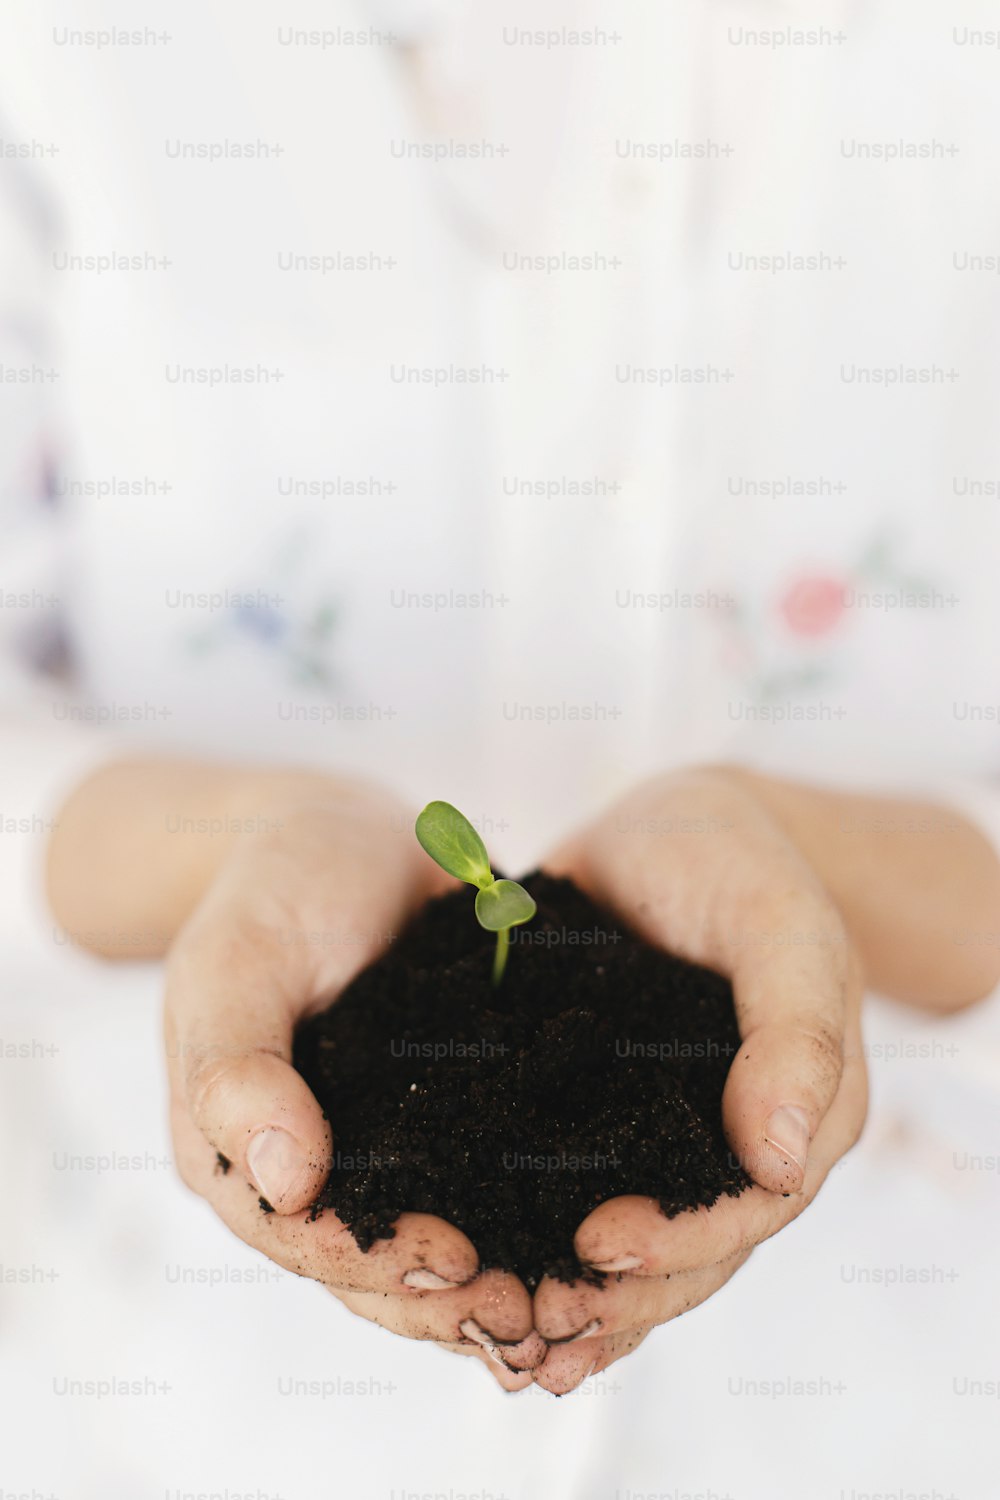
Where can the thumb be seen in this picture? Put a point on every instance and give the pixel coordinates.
(230, 1015)
(791, 1007)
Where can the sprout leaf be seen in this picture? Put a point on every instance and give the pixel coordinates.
(503, 904)
(451, 840)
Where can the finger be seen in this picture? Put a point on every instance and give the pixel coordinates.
(750, 907)
(424, 1252)
(492, 1314)
(791, 1009)
(562, 1312)
(634, 1233)
(231, 1008)
(617, 1346)
(237, 985)
(568, 1367)
(509, 1380)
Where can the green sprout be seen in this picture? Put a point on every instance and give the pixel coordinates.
(453, 843)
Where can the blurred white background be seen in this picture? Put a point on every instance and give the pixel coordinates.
(552, 393)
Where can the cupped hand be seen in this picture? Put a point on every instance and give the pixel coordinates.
(694, 863)
(294, 913)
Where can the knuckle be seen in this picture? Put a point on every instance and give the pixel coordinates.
(828, 1045)
(216, 1070)
(210, 1074)
(745, 1243)
(824, 1048)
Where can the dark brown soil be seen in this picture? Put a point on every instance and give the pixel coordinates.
(595, 1069)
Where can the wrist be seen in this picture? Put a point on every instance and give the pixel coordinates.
(138, 844)
(909, 878)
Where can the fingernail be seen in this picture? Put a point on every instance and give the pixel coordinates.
(584, 1333)
(620, 1263)
(428, 1281)
(275, 1161)
(472, 1330)
(526, 1354)
(788, 1132)
(479, 1336)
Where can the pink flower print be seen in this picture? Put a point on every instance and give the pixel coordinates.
(813, 604)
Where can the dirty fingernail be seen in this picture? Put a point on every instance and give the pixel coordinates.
(472, 1330)
(788, 1132)
(275, 1161)
(428, 1281)
(477, 1333)
(479, 1336)
(585, 1332)
(619, 1263)
(526, 1354)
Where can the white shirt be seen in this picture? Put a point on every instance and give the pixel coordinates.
(571, 562)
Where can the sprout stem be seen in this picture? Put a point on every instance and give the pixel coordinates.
(500, 956)
(453, 843)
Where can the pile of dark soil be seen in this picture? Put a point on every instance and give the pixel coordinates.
(595, 1069)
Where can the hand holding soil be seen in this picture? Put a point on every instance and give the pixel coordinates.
(600, 1066)
(696, 864)
(293, 883)
(293, 918)
(290, 918)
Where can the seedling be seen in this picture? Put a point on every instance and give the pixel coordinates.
(453, 843)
